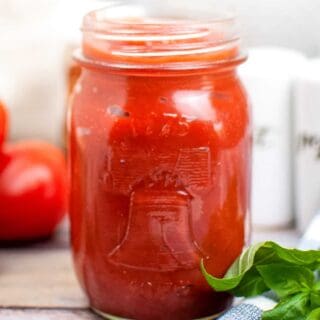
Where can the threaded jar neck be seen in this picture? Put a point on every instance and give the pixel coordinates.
(131, 35)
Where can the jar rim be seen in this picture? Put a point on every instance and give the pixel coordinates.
(110, 15)
(134, 33)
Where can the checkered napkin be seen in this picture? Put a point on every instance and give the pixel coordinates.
(243, 312)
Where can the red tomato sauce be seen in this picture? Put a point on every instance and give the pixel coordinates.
(160, 170)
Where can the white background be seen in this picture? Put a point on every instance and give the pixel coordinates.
(290, 23)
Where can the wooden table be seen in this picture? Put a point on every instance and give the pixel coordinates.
(37, 281)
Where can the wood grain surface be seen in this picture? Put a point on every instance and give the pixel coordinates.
(43, 314)
(37, 281)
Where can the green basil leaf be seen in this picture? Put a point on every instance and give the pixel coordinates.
(314, 315)
(315, 299)
(293, 308)
(316, 286)
(271, 252)
(286, 280)
(251, 285)
(240, 277)
(245, 261)
(236, 272)
(309, 258)
(114, 318)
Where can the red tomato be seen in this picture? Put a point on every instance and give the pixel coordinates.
(3, 123)
(33, 190)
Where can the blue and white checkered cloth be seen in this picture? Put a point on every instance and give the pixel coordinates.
(243, 312)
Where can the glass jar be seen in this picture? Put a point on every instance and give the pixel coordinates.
(160, 157)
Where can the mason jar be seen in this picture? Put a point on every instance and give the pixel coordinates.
(160, 157)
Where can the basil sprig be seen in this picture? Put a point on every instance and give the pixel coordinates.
(289, 273)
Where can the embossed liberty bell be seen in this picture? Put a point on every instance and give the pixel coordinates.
(158, 236)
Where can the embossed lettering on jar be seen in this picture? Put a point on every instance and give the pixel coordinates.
(160, 142)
